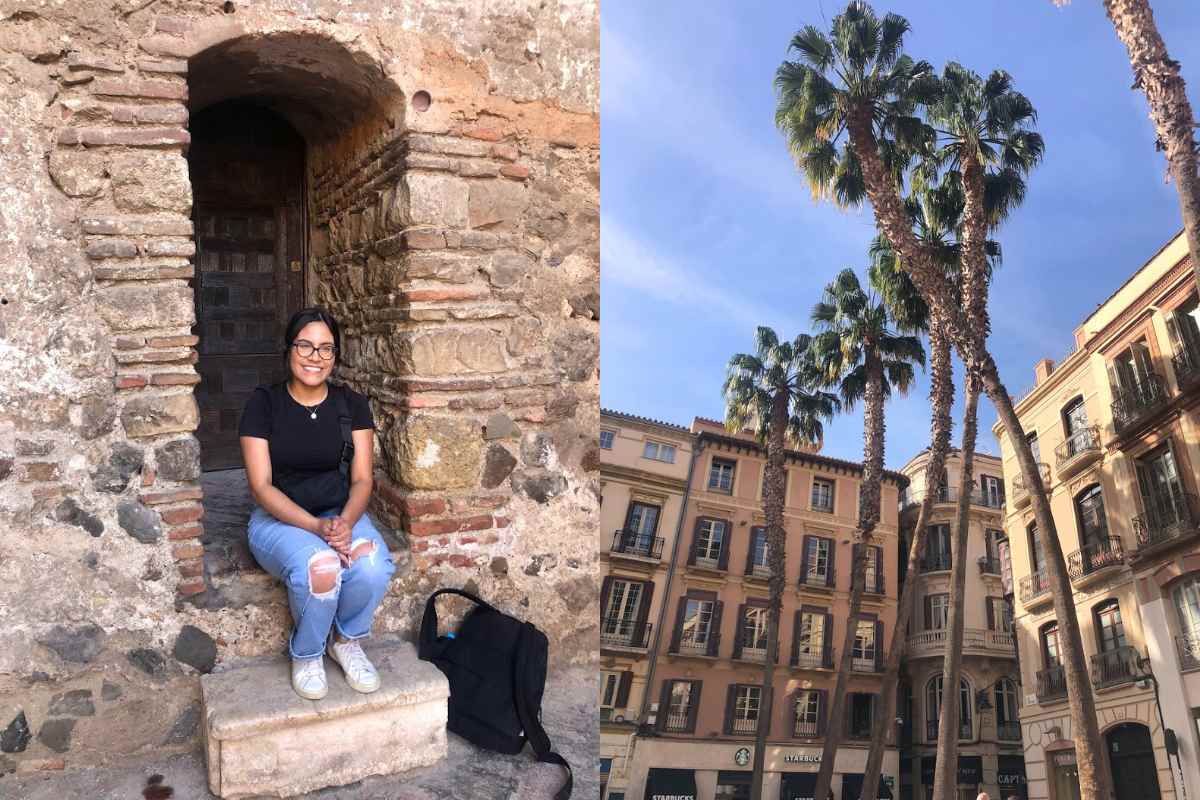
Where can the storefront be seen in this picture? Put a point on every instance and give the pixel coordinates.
(733, 785)
(852, 788)
(970, 775)
(1010, 775)
(670, 784)
(1065, 772)
(798, 786)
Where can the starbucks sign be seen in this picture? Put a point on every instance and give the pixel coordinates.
(742, 756)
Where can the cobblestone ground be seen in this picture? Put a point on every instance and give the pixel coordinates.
(467, 773)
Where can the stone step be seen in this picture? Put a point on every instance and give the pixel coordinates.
(261, 738)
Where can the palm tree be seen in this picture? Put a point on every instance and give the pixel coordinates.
(864, 115)
(860, 351)
(1160, 79)
(774, 393)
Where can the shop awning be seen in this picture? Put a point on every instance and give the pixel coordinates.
(798, 786)
(852, 787)
(670, 784)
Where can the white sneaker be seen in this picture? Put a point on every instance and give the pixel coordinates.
(308, 677)
(360, 673)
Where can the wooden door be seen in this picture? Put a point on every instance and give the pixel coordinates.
(247, 172)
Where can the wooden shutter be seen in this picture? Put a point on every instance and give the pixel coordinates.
(605, 590)
(766, 704)
(693, 705)
(664, 704)
(878, 645)
(831, 572)
(1114, 379)
(677, 631)
(795, 657)
(991, 614)
(644, 613)
(880, 582)
(714, 637)
(623, 687)
(827, 645)
(928, 612)
(807, 560)
(750, 551)
(695, 541)
(730, 698)
(739, 631)
(726, 541)
(822, 710)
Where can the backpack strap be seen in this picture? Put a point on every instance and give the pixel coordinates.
(344, 420)
(427, 643)
(534, 732)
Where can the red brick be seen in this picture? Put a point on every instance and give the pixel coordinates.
(448, 293)
(126, 87)
(148, 477)
(461, 505)
(419, 547)
(190, 587)
(483, 132)
(173, 65)
(416, 507)
(459, 385)
(438, 526)
(40, 471)
(421, 401)
(174, 378)
(177, 516)
(515, 171)
(126, 137)
(111, 248)
(191, 569)
(502, 522)
(47, 492)
(457, 560)
(130, 381)
(173, 496)
(185, 532)
(490, 538)
(129, 343)
(173, 341)
(186, 552)
(508, 152)
(176, 272)
(467, 540)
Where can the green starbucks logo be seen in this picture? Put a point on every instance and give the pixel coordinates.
(742, 756)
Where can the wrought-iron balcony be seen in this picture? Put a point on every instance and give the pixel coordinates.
(950, 494)
(1187, 366)
(1097, 556)
(807, 730)
(812, 656)
(934, 561)
(1021, 495)
(1170, 517)
(1114, 667)
(1132, 404)
(700, 642)
(1008, 731)
(1188, 648)
(989, 565)
(632, 543)
(619, 632)
(1035, 589)
(932, 726)
(1051, 684)
(740, 726)
(1080, 449)
(676, 722)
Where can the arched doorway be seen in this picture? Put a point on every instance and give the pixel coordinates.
(1131, 756)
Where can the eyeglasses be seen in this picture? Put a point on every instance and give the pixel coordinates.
(305, 349)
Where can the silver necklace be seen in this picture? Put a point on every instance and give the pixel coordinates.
(312, 410)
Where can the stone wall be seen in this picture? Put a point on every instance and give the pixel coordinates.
(453, 210)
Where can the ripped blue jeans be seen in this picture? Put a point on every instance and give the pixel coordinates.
(292, 554)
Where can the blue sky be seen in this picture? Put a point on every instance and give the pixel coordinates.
(707, 228)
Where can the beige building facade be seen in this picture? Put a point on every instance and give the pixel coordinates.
(990, 756)
(1116, 427)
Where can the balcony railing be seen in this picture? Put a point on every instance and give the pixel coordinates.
(1188, 647)
(950, 494)
(740, 726)
(1033, 586)
(933, 642)
(1130, 405)
(1020, 493)
(806, 730)
(1051, 684)
(618, 632)
(812, 656)
(760, 571)
(989, 565)
(1097, 555)
(632, 543)
(1080, 447)
(676, 722)
(1187, 366)
(818, 580)
(1007, 731)
(1113, 667)
(861, 664)
(934, 561)
(932, 726)
(1171, 515)
(754, 654)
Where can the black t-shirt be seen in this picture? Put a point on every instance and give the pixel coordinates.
(301, 446)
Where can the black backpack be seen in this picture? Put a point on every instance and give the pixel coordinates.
(496, 666)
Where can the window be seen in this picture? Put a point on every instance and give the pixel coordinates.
(720, 475)
(999, 615)
(1183, 328)
(1006, 705)
(1132, 370)
(993, 491)
(1110, 631)
(1050, 652)
(606, 439)
(642, 520)
(1074, 421)
(937, 611)
(757, 561)
(1037, 557)
(746, 704)
(1162, 493)
(810, 639)
(1187, 606)
(679, 707)
(621, 613)
(822, 495)
(1089, 510)
(933, 707)
(754, 632)
(605, 766)
(863, 657)
(818, 554)
(657, 451)
(1032, 438)
(610, 683)
(710, 540)
(874, 571)
(697, 624)
(860, 710)
(943, 487)
(808, 714)
(937, 548)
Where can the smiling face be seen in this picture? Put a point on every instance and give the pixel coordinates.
(311, 370)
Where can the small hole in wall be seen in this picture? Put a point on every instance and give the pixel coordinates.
(3, 301)
(228, 8)
(421, 100)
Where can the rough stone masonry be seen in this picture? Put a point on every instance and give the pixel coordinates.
(452, 224)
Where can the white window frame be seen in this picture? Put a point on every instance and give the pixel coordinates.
(864, 640)
(808, 709)
(673, 710)
(704, 544)
(761, 545)
(720, 463)
(812, 569)
(610, 686)
(759, 629)
(704, 614)
(612, 437)
(823, 482)
(658, 451)
(747, 700)
(945, 612)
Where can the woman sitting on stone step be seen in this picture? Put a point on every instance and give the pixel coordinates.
(309, 528)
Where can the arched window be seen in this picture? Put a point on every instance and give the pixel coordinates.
(1093, 526)
(1110, 631)
(933, 707)
(1074, 422)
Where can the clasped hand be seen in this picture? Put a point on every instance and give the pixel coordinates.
(336, 531)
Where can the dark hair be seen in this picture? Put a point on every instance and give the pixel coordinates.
(302, 318)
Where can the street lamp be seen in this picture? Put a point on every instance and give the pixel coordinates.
(1142, 678)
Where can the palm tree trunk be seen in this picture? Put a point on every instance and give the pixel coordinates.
(946, 778)
(773, 509)
(941, 395)
(1160, 78)
(1094, 778)
(868, 518)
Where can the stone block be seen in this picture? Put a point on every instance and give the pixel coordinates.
(454, 352)
(151, 181)
(438, 452)
(497, 203)
(179, 460)
(77, 174)
(151, 416)
(132, 307)
(260, 737)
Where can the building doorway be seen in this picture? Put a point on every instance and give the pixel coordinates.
(247, 173)
(1131, 757)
